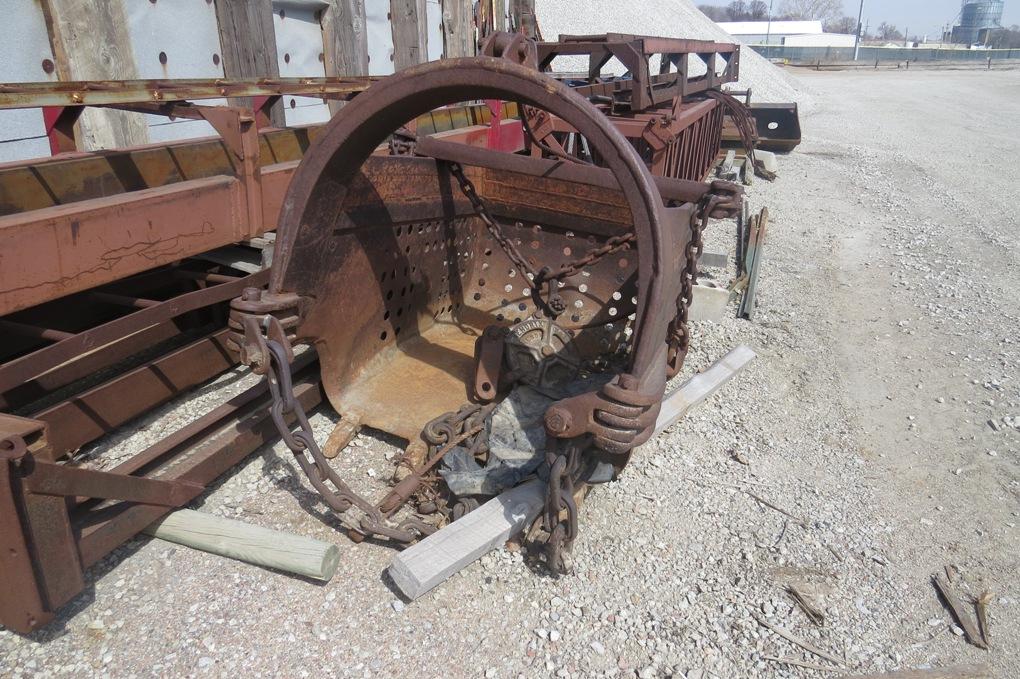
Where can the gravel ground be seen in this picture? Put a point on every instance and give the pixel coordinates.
(881, 417)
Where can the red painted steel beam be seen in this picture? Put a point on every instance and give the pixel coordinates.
(56, 251)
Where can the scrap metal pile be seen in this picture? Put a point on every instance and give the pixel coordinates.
(509, 295)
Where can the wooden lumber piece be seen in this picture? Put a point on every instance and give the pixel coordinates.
(959, 610)
(458, 29)
(428, 563)
(345, 41)
(419, 568)
(695, 390)
(297, 554)
(90, 41)
(814, 614)
(407, 21)
(954, 672)
(789, 636)
(248, 44)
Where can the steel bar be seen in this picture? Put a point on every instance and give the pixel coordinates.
(220, 447)
(32, 365)
(26, 330)
(671, 189)
(100, 410)
(114, 237)
(100, 92)
(47, 478)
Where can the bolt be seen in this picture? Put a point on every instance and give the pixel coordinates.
(557, 421)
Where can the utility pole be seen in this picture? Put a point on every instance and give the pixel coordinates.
(906, 32)
(768, 30)
(857, 39)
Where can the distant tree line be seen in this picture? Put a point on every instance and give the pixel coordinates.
(829, 12)
(788, 10)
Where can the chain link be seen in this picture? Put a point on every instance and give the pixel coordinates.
(560, 513)
(494, 228)
(680, 335)
(611, 246)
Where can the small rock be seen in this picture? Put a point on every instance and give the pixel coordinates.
(398, 605)
(554, 636)
(598, 647)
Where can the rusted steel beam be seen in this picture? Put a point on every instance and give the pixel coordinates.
(46, 478)
(60, 250)
(19, 370)
(105, 407)
(671, 189)
(221, 446)
(21, 600)
(22, 395)
(100, 92)
(47, 546)
(46, 182)
(643, 89)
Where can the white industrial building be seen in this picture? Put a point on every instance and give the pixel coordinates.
(791, 33)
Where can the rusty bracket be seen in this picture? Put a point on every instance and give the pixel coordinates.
(257, 316)
(41, 558)
(47, 478)
(488, 363)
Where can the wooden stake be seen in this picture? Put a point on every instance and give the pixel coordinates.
(810, 648)
(295, 554)
(959, 611)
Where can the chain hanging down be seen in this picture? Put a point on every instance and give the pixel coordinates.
(679, 340)
(334, 492)
(544, 276)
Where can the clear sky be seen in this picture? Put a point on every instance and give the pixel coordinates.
(920, 17)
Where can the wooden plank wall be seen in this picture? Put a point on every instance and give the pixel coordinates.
(458, 29)
(407, 20)
(248, 45)
(523, 19)
(90, 41)
(345, 42)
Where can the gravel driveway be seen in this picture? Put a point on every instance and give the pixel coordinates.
(880, 417)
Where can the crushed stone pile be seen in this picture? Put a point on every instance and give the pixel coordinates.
(671, 19)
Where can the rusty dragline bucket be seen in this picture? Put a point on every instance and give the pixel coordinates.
(510, 315)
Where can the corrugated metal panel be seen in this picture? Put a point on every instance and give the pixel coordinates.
(380, 37)
(434, 29)
(24, 45)
(178, 39)
(299, 51)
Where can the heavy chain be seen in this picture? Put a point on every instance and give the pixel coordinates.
(679, 331)
(613, 245)
(560, 512)
(334, 492)
(745, 127)
(493, 227)
(545, 275)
